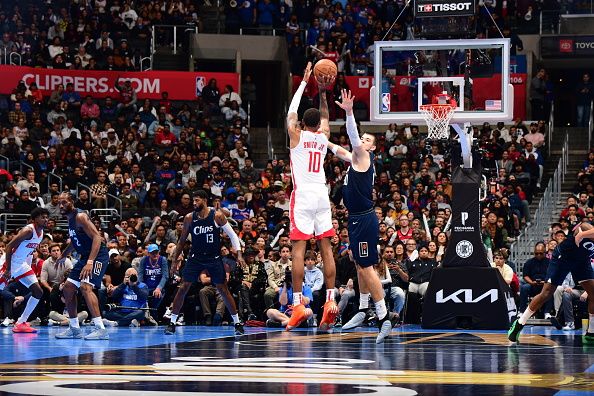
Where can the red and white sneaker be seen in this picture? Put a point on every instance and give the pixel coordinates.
(23, 328)
(329, 317)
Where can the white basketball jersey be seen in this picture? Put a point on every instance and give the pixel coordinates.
(23, 253)
(307, 159)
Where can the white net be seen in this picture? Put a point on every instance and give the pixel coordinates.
(437, 117)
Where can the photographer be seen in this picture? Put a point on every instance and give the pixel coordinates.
(280, 317)
(131, 293)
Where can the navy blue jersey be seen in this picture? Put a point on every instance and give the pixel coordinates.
(206, 236)
(358, 189)
(570, 252)
(80, 240)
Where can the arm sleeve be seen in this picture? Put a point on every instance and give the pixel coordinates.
(297, 97)
(232, 235)
(351, 127)
(165, 274)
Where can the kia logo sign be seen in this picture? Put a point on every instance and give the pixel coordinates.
(439, 8)
(566, 45)
(467, 296)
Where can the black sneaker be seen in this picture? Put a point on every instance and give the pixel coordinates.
(555, 322)
(239, 329)
(514, 331)
(273, 323)
(170, 329)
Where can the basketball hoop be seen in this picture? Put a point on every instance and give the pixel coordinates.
(437, 117)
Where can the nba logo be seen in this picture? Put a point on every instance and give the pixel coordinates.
(200, 83)
(363, 249)
(385, 102)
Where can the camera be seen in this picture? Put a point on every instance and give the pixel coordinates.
(133, 278)
(288, 278)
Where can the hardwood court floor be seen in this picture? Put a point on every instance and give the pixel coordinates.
(206, 360)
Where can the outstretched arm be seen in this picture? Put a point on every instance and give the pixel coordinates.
(340, 152)
(221, 221)
(347, 105)
(294, 106)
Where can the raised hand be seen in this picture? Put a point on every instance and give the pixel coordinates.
(347, 101)
(307, 72)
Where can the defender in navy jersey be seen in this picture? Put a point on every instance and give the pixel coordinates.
(88, 271)
(574, 255)
(205, 225)
(363, 224)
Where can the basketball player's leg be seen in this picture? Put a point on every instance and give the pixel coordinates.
(324, 230)
(70, 291)
(556, 273)
(298, 274)
(584, 276)
(29, 281)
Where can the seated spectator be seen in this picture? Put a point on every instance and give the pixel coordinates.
(153, 270)
(131, 293)
(250, 273)
(564, 297)
(314, 278)
(275, 272)
(419, 272)
(396, 261)
(280, 317)
(209, 296)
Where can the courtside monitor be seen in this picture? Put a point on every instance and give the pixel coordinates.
(409, 74)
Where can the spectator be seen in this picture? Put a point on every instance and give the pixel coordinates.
(153, 270)
(209, 293)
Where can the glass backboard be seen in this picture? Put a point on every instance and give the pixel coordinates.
(411, 73)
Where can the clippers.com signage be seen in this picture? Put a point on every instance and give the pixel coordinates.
(567, 47)
(440, 8)
(101, 84)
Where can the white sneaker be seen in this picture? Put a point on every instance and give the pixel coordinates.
(134, 323)
(70, 332)
(569, 326)
(357, 320)
(548, 316)
(97, 334)
(51, 322)
(109, 323)
(7, 322)
(167, 313)
(180, 320)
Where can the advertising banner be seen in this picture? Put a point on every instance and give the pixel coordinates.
(441, 8)
(100, 84)
(567, 47)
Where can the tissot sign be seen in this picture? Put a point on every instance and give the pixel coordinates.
(567, 47)
(439, 8)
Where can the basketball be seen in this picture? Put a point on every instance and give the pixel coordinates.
(325, 67)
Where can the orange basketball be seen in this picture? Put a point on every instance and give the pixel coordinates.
(325, 67)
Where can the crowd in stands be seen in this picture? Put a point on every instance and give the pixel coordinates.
(150, 156)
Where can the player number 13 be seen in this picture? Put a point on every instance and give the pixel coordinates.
(315, 159)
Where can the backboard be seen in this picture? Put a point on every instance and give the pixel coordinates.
(409, 74)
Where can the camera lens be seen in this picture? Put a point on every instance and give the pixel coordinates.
(133, 278)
